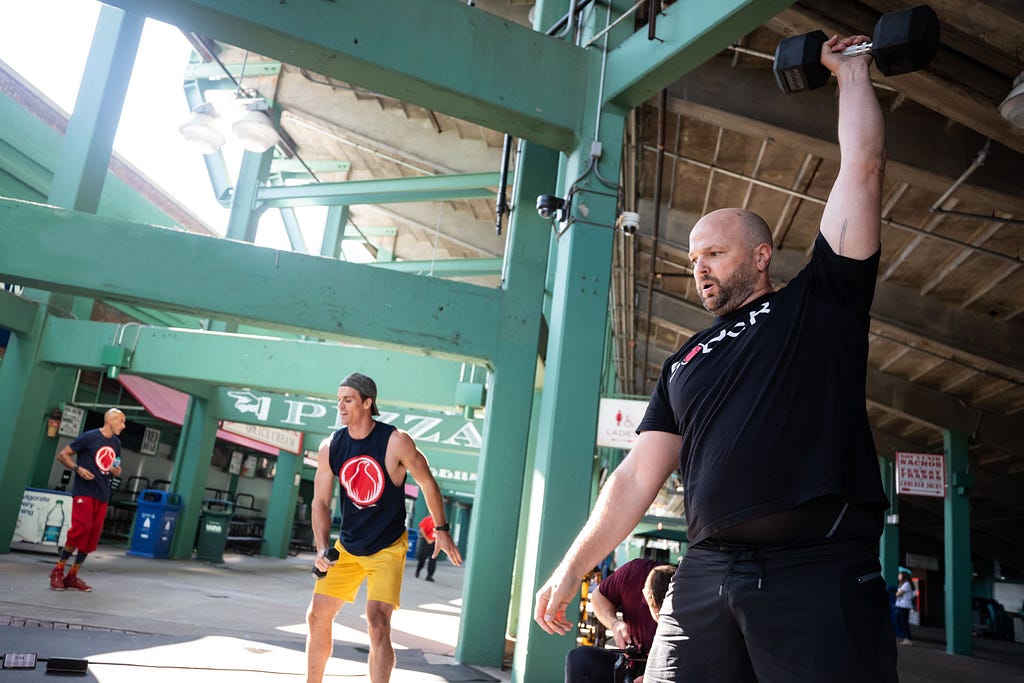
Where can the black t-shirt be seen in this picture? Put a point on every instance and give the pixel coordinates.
(770, 400)
(372, 507)
(95, 453)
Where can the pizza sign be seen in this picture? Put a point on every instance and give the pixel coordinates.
(921, 474)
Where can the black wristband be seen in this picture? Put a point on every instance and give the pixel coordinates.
(443, 527)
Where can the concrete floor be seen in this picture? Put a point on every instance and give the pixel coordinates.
(156, 620)
(165, 620)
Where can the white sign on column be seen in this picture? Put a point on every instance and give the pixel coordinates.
(617, 420)
(921, 474)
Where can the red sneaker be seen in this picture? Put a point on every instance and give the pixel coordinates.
(72, 581)
(57, 579)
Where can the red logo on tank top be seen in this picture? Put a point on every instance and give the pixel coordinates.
(363, 479)
(105, 458)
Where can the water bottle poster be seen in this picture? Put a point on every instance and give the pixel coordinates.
(44, 518)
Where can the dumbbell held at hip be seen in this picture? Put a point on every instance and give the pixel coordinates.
(903, 41)
(331, 555)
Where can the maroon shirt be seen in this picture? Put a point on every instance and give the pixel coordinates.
(624, 588)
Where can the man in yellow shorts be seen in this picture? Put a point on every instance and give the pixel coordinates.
(370, 459)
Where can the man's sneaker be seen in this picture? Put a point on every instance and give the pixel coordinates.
(57, 579)
(72, 581)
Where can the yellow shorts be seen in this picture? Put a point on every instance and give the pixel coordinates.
(383, 573)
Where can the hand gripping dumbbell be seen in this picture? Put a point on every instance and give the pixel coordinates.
(902, 42)
(332, 555)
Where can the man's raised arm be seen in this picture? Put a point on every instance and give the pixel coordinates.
(851, 221)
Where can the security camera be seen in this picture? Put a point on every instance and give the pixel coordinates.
(629, 221)
(549, 206)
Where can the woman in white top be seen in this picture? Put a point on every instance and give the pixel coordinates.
(904, 603)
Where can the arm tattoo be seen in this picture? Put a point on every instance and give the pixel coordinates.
(842, 239)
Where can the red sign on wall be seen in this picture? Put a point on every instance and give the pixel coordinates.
(921, 474)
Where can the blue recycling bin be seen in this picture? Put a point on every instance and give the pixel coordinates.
(155, 520)
(414, 538)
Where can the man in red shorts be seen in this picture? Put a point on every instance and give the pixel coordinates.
(95, 456)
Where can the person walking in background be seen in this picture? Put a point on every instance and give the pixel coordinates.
(370, 460)
(425, 548)
(904, 604)
(95, 456)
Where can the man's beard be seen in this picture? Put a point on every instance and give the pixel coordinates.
(732, 293)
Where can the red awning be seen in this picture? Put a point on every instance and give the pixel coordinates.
(169, 405)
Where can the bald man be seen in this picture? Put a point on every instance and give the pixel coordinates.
(764, 414)
(95, 456)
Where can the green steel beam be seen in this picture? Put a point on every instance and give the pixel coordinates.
(296, 167)
(457, 63)
(26, 169)
(211, 71)
(41, 246)
(17, 314)
(689, 33)
(149, 316)
(257, 363)
(453, 267)
(33, 145)
(365, 232)
(437, 188)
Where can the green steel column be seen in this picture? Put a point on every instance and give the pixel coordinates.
(958, 545)
(293, 230)
(500, 475)
(461, 514)
(522, 539)
(81, 168)
(245, 215)
(191, 468)
(244, 219)
(889, 545)
(45, 450)
(85, 154)
(572, 384)
(334, 230)
(24, 391)
(284, 492)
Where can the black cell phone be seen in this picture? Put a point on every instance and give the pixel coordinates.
(67, 666)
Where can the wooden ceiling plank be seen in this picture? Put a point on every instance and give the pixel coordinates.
(979, 237)
(988, 284)
(908, 249)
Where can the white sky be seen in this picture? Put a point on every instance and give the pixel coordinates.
(47, 42)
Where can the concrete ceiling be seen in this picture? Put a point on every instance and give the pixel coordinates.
(948, 318)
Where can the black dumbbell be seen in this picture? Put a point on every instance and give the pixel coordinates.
(332, 555)
(903, 41)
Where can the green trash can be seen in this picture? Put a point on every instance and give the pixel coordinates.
(214, 524)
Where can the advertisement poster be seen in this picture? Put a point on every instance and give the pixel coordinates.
(71, 421)
(44, 519)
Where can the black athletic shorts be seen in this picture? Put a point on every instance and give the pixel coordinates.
(776, 614)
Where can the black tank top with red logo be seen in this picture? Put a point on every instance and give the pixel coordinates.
(372, 507)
